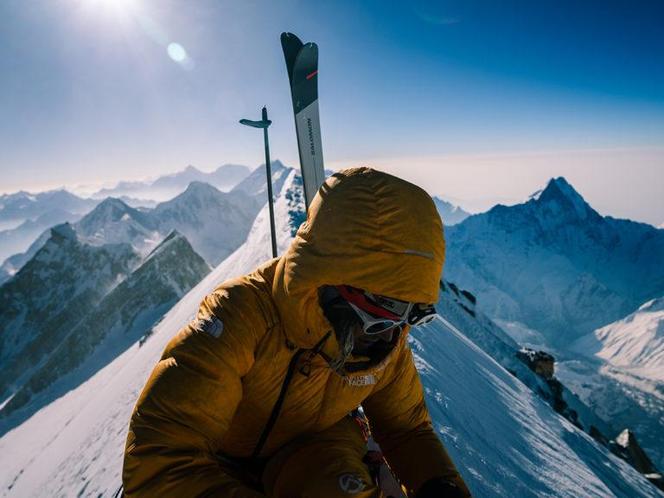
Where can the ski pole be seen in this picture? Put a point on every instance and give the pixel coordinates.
(264, 123)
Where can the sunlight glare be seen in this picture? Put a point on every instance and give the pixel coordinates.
(177, 52)
(115, 8)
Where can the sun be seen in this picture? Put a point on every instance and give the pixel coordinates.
(115, 8)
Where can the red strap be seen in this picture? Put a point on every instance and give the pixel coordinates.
(358, 298)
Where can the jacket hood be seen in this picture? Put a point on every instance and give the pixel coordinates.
(367, 229)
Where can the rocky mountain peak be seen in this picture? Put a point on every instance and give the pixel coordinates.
(110, 208)
(173, 238)
(560, 196)
(198, 188)
(63, 232)
(627, 447)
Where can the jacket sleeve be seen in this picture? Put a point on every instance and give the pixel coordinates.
(186, 408)
(402, 427)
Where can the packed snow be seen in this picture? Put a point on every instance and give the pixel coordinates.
(635, 343)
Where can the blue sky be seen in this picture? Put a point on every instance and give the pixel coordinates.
(89, 93)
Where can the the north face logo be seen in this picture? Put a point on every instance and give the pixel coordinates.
(361, 380)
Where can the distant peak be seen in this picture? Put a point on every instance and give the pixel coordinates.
(559, 191)
(112, 203)
(199, 187)
(276, 164)
(173, 239)
(564, 187)
(191, 169)
(172, 236)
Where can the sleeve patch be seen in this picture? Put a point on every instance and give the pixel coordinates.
(210, 325)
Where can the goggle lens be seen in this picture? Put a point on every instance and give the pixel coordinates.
(403, 312)
(380, 327)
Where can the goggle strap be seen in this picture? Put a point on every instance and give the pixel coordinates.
(360, 300)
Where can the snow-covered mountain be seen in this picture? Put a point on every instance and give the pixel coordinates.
(21, 206)
(256, 183)
(450, 214)
(14, 263)
(113, 222)
(551, 271)
(50, 295)
(624, 400)
(555, 265)
(165, 187)
(121, 318)
(18, 239)
(623, 380)
(24, 216)
(214, 222)
(634, 343)
(504, 438)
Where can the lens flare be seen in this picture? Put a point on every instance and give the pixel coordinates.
(179, 54)
(176, 52)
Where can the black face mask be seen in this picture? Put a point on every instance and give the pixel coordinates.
(345, 321)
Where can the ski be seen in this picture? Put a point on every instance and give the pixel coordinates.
(302, 66)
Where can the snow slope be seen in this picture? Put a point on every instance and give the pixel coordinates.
(635, 343)
(621, 375)
(506, 441)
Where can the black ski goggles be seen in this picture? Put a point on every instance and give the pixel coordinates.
(379, 314)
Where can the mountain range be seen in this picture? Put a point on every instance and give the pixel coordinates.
(22, 206)
(552, 271)
(224, 178)
(505, 438)
(555, 265)
(24, 216)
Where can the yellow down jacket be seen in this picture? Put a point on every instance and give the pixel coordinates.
(215, 385)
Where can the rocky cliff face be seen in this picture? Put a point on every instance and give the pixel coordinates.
(125, 314)
(50, 295)
(627, 447)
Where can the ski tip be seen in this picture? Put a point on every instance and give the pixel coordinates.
(311, 48)
(287, 36)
